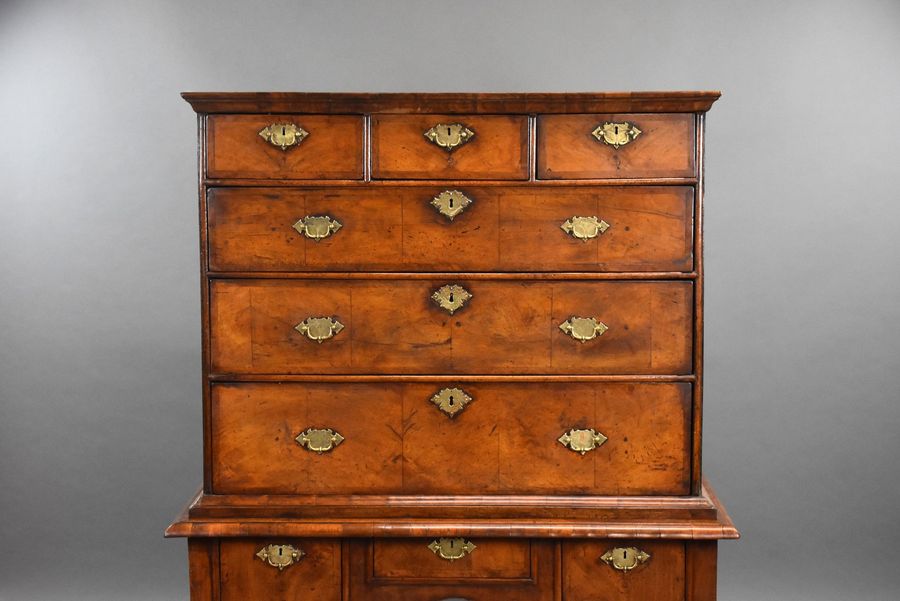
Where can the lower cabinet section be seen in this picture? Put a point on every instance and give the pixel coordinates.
(451, 569)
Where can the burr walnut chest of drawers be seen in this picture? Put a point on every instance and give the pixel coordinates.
(452, 349)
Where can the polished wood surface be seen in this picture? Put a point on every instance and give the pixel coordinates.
(332, 150)
(499, 149)
(395, 327)
(245, 577)
(495, 559)
(586, 577)
(504, 441)
(516, 228)
(567, 150)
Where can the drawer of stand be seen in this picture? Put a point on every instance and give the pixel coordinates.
(616, 146)
(458, 227)
(280, 569)
(404, 326)
(332, 147)
(450, 147)
(444, 568)
(459, 438)
(623, 570)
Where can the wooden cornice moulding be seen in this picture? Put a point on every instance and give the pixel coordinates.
(451, 103)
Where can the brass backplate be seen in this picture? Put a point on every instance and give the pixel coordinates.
(451, 203)
(319, 329)
(616, 134)
(317, 227)
(584, 228)
(451, 400)
(449, 135)
(319, 440)
(451, 549)
(280, 556)
(583, 329)
(582, 441)
(283, 135)
(625, 558)
(451, 297)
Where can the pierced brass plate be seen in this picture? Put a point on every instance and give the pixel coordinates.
(451, 400)
(451, 549)
(584, 228)
(317, 227)
(625, 558)
(451, 203)
(280, 556)
(319, 440)
(583, 329)
(451, 297)
(616, 134)
(582, 441)
(283, 135)
(449, 136)
(319, 329)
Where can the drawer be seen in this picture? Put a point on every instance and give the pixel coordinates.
(500, 228)
(413, 438)
(445, 568)
(568, 149)
(299, 569)
(331, 149)
(495, 148)
(656, 570)
(386, 326)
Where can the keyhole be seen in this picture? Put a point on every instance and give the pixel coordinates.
(624, 554)
(451, 297)
(451, 401)
(280, 551)
(617, 130)
(451, 202)
(448, 131)
(452, 543)
(283, 130)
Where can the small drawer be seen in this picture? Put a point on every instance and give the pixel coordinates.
(285, 147)
(463, 147)
(616, 146)
(444, 568)
(622, 570)
(457, 227)
(459, 438)
(280, 569)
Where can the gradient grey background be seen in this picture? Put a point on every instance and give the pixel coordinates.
(100, 433)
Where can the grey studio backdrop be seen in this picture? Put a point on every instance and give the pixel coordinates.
(100, 432)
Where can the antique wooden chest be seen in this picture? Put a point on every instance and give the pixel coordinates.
(452, 349)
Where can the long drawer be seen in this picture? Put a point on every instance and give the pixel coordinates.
(472, 438)
(460, 227)
(405, 326)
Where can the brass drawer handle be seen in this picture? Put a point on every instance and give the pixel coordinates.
(616, 134)
(449, 135)
(582, 441)
(583, 329)
(319, 440)
(283, 135)
(584, 228)
(451, 297)
(451, 400)
(451, 203)
(625, 558)
(317, 227)
(280, 556)
(319, 329)
(451, 549)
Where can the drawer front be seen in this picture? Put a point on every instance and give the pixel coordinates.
(568, 149)
(497, 147)
(397, 438)
(313, 573)
(395, 326)
(331, 149)
(658, 572)
(483, 569)
(513, 228)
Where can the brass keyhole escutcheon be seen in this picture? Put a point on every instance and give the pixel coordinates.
(451, 297)
(317, 227)
(283, 135)
(449, 136)
(616, 134)
(451, 549)
(451, 203)
(319, 329)
(319, 440)
(625, 559)
(280, 556)
(451, 400)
